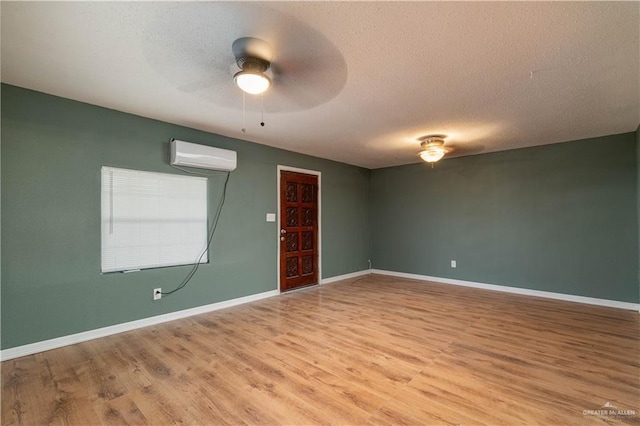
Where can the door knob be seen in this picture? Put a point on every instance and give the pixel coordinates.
(283, 231)
(281, 238)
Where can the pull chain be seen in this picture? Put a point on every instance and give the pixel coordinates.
(244, 128)
(262, 116)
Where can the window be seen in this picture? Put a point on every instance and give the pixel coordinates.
(152, 220)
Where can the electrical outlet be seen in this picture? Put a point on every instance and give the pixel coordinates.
(157, 293)
(454, 264)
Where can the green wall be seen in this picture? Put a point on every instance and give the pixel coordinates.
(52, 151)
(560, 218)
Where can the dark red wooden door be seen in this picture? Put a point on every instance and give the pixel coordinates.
(298, 230)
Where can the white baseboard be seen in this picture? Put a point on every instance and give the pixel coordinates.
(516, 290)
(58, 342)
(345, 276)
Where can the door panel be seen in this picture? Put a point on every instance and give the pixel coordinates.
(298, 230)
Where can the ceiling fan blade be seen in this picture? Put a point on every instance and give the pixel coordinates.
(196, 86)
(461, 150)
(305, 77)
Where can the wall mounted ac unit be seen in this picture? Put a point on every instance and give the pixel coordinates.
(189, 154)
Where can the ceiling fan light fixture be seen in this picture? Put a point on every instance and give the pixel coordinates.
(433, 148)
(433, 154)
(252, 82)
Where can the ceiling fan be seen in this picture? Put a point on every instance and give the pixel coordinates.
(300, 66)
(253, 57)
(434, 149)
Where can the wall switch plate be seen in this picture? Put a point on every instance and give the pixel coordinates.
(157, 293)
(454, 264)
(271, 217)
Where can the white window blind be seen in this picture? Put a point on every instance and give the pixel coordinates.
(151, 220)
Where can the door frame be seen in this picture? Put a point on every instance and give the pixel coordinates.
(280, 168)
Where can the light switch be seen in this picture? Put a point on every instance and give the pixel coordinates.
(271, 217)
(454, 264)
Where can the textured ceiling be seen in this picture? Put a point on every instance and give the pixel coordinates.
(356, 82)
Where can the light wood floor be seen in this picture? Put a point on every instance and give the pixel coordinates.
(375, 350)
